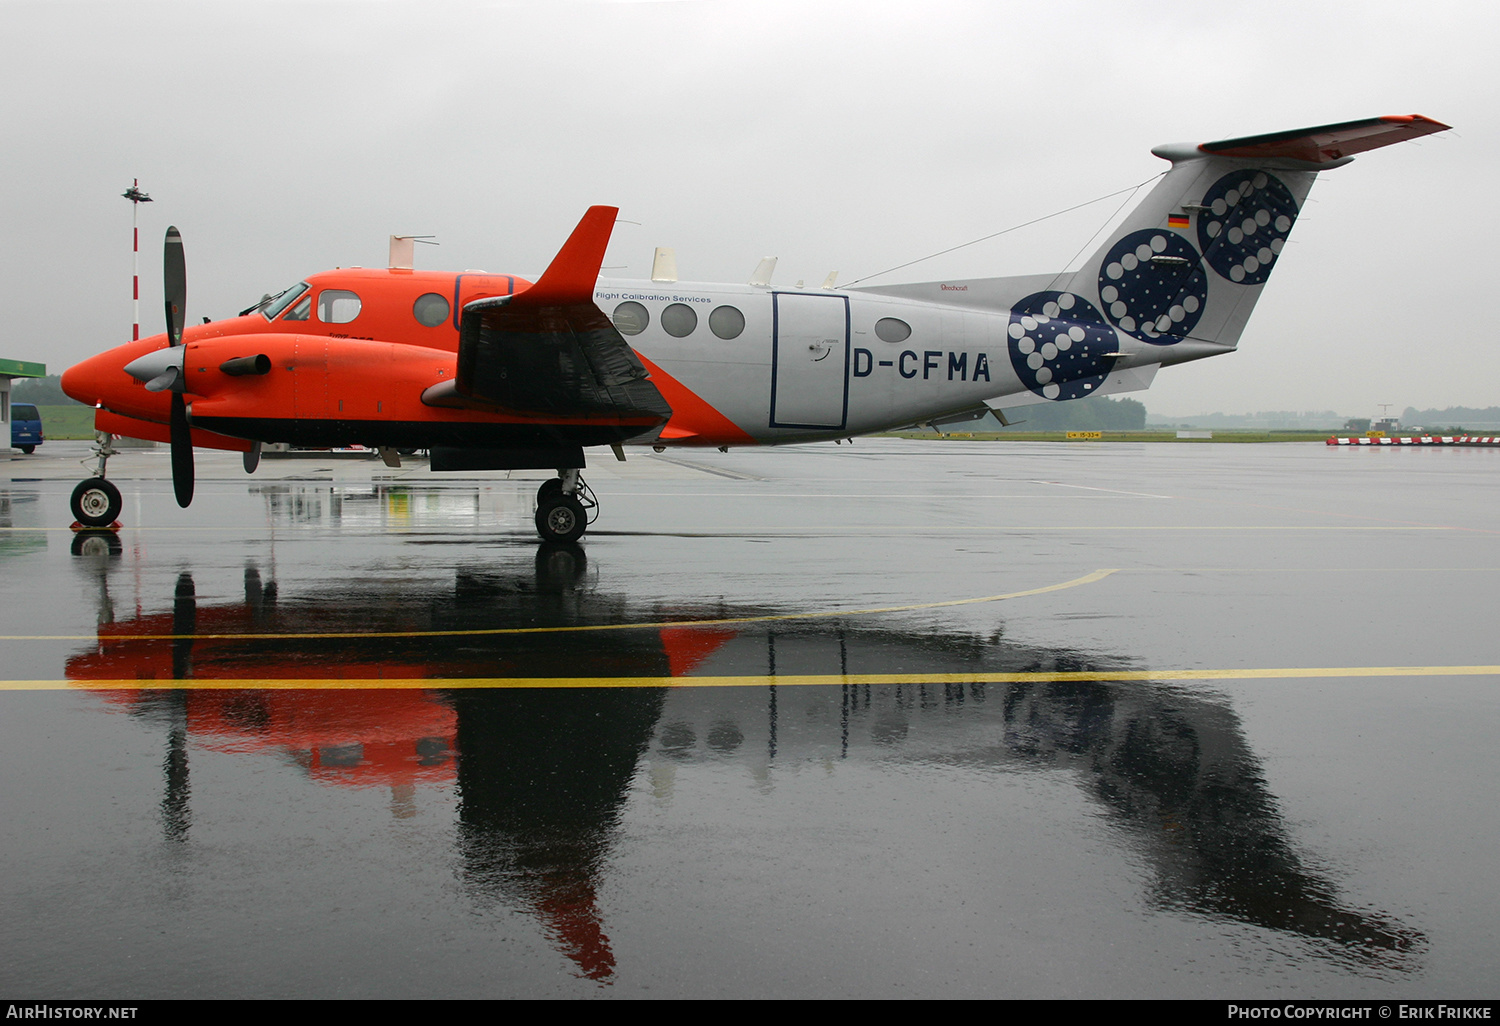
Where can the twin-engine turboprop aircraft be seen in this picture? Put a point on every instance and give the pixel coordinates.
(494, 372)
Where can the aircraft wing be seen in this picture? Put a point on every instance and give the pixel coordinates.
(550, 351)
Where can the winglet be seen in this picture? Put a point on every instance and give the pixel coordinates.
(571, 276)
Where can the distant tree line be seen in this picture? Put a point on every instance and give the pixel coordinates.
(1455, 419)
(40, 391)
(1264, 420)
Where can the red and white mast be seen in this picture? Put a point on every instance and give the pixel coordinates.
(136, 198)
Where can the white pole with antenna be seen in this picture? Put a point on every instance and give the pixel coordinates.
(136, 198)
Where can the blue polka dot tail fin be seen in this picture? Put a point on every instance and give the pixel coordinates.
(1178, 277)
(1184, 269)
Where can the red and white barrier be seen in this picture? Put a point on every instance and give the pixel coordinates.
(1421, 440)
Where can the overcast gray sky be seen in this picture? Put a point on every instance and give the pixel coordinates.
(285, 138)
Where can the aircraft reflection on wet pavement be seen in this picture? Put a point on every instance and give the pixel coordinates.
(386, 506)
(543, 774)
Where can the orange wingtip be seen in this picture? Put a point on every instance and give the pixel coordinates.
(1436, 126)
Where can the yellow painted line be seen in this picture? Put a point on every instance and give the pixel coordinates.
(749, 680)
(1309, 570)
(1113, 528)
(1097, 575)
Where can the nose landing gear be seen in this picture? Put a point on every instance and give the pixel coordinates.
(96, 502)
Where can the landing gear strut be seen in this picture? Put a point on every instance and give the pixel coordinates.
(96, 502)
(565, 507)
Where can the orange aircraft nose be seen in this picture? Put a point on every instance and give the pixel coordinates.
(99, 377)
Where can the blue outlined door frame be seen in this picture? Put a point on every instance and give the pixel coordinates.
(809, 361)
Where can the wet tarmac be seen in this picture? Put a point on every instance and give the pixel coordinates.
(926, 719)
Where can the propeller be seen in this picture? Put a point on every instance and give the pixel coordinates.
(174, 288)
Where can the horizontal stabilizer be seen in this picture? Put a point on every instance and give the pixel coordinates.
(1327, 142)
(968, 416)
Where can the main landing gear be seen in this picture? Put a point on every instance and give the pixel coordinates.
(96, 502)
(565, 507)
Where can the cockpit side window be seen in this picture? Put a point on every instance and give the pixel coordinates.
(270, 308)
(337, 306)
(301, 311)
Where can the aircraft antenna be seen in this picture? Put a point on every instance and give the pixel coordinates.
(402, 250)
(1097, 232)
(1007, 231)
(136, 198)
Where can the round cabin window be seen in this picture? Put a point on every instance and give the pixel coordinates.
(631, 318)
(430, 310)
(891, 329)
(726, 322)
(679, 320)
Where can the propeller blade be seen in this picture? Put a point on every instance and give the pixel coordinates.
(182, 452)
(176, 812)
(174, 284)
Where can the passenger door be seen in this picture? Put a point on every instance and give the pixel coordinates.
(809, 360)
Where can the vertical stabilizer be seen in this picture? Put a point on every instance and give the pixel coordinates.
(1179, 277)
(1190, 261)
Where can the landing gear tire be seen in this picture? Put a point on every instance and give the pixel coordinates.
(549, 488)
(96, 502)
(561, 518)
(96, 544)
(28, 449)
(559, 568)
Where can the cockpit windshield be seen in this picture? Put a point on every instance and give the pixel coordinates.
(271, 306)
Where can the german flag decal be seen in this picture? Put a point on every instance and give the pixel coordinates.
(1177, 220)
